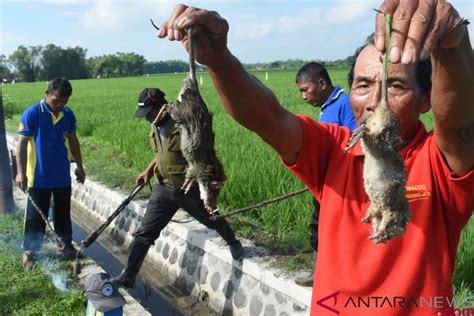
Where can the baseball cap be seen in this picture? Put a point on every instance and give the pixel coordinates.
(103, 292)
(148, 98)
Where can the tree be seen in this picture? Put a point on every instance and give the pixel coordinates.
(26, 62)
(169, 66)
(6, 191)
(5, 72)
(58, 62)
(118, 65)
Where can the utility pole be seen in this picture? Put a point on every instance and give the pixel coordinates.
(6, 191)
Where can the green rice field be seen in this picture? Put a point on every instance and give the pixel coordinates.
(115, 150)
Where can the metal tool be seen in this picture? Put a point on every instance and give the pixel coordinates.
(95, 234)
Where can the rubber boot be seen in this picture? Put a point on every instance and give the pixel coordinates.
(136, 255)
(227, 233)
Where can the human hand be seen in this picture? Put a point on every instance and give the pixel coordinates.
(22, 181)
(143, 177)
(80, 175)
(418, 27)
(209, 31)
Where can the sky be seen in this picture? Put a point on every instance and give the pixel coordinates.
(260, 31)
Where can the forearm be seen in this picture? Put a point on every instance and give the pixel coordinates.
(21, 155)
(75, 150)
(246, 99)
(151, 166)
(453, 104)
(452, 93)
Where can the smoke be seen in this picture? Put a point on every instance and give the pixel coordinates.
(58, 275)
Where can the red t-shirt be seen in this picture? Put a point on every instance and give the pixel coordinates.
(409, 275)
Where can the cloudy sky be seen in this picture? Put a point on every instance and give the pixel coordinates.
(260, 31)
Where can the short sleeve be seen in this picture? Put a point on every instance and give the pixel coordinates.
(27, 124)
(72, 122)
(347, 116)
(320, 140)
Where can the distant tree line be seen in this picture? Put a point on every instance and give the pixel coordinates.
(35, 63)
(298, 63)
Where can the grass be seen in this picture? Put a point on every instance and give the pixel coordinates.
(40, 291)
(115, 149)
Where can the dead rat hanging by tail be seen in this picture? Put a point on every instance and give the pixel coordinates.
(384, 168)
(197, 137)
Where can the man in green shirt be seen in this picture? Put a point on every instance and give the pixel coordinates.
(169, 166)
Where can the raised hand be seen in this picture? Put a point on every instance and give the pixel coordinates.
(418, 27)
(209, 31)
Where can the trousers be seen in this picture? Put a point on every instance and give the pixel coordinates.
(34, 227)
(313, 226)
(163, 204)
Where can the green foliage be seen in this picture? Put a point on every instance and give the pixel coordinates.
(30, 292)
(115, 149)
(26, 62)
(464, 271)
(59, 62)
(5, 71)
(295, 64)
(118, 65)
(170, 66)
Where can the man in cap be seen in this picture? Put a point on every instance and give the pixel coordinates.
(169, 166)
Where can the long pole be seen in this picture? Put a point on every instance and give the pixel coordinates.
(6, 190)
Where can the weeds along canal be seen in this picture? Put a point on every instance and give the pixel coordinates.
(163, 299)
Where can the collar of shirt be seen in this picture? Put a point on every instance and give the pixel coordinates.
(45, 108)
(333, 97)
(420, 134)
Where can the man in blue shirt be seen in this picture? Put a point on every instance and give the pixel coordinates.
(316, 88)
(44, 168)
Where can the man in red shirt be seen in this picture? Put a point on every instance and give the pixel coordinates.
(412, 274)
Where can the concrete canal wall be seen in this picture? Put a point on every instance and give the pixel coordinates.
(195, 258)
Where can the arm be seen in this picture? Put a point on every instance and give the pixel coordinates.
(76, 153)
(254, 106)
(452, 101)
(425, 28)
(244, 97)
(146, 175)
(21, 159)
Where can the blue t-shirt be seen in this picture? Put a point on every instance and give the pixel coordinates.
(337, 109)
(48, 163)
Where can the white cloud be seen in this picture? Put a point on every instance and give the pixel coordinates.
(103, 15)
(307, 19)
(61, 2)
(351, 10)
(251, 28)
(10, 38)
(109, 15)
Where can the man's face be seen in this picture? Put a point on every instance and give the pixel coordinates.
(151, 116)
(404, 94)
(56, 101)
(313, 93)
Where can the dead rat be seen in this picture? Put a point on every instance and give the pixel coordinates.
(384, 168)
(197, 138)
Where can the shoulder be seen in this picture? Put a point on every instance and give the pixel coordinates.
(68, 111)
(32, 111)
(344, 99)
(323, 133)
